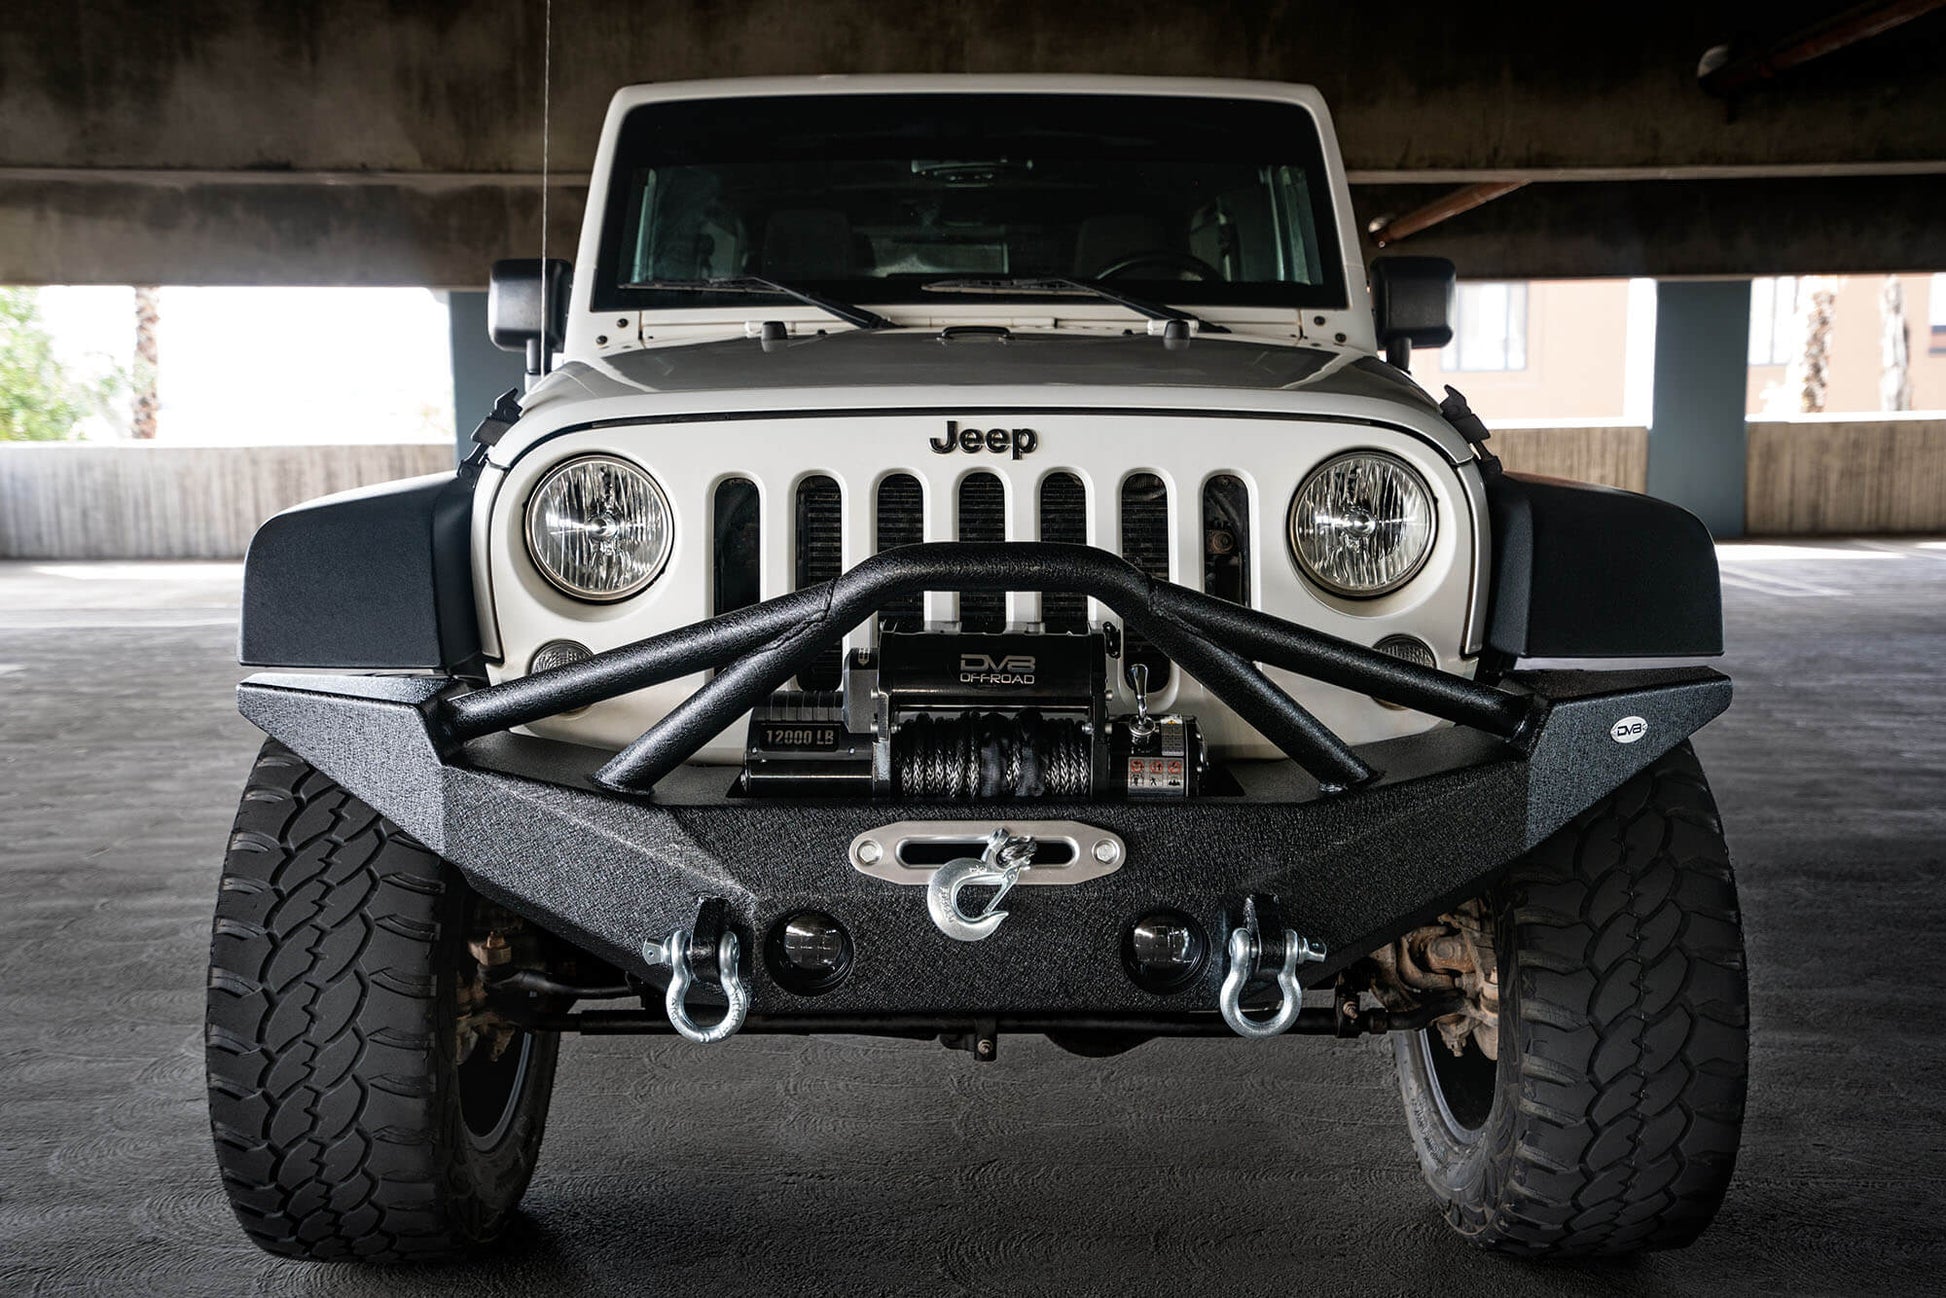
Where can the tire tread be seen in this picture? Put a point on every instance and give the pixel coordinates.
(1632, 1024)
(322, 1031)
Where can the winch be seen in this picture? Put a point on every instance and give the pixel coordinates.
(966, 717)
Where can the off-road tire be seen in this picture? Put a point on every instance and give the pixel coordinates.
(1610, 1122)
(339, 1107)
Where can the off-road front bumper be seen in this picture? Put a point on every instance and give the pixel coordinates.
(1355, 845)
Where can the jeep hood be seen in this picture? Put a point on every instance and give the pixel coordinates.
(926, 358)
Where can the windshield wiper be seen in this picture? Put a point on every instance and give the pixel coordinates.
(1062, 286)
(845, 311)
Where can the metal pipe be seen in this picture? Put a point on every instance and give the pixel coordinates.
(759, 648)
(1389, 230)
(1794, 51)
(1271, 640)
(854, 596)
(735, 689)
(653, 661)
(531, 980)
(1249, 693)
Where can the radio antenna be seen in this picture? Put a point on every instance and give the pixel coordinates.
(547, 88)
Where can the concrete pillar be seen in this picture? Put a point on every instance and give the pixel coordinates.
(481, 371)
(1696, 436)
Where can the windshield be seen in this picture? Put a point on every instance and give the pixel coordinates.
(866, 198)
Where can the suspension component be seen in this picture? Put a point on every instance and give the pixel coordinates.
(1451, 961)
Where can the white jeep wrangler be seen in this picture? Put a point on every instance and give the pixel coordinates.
(970, 560)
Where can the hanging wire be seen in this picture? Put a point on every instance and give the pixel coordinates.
(547, 85)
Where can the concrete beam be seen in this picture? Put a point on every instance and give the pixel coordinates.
(1664, 229)
(360, 84)
(355, 141)
(447, 238)
(95, 233)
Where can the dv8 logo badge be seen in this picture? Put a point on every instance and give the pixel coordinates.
(1628, 730)
(1009, 669)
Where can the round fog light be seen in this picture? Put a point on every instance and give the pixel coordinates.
(1407, 649)
(809, 951)
(1164, 950)
(558, 653)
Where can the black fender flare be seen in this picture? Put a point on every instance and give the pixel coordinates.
(376, 579)
(1581, 571)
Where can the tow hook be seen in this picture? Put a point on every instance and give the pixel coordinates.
(1263, 948)
(687, 956)
(999, 866)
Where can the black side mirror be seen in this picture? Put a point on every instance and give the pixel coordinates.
(527, 308)
(1412, 304)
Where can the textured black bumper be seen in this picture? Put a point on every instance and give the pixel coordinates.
(528, 824)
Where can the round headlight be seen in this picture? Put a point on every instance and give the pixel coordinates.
(1361, 524)
(598, 528)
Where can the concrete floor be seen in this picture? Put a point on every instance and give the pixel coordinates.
(852, 1166)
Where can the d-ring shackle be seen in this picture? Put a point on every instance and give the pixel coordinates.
(674, 952)
(1244, 953)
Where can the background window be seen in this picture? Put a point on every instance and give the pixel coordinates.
(1489, 329)
(1936, 314)
(1775, 334)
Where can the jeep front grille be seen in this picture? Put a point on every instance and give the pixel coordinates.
(739, 545)
(1064, 517)
(1226, 538)
(820, 534)
(982, 517)
(1145, 543)
(901, 521)
(1139, 528)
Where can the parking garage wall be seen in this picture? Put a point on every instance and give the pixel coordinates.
(1803, 477)
(157, 501)
(1831, 477)
(149, 501)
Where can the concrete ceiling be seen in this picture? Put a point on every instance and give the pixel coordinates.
(352, 141)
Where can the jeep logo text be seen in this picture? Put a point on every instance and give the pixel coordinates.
(999, 441)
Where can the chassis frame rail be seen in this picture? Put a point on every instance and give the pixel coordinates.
(1311, 1021)
(755, 650)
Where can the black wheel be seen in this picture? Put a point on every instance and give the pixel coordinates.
(359, 1110)
(1609, 1121)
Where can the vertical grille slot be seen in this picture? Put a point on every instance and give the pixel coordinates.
(1064, 517)
(1145, 543)
(1226, 538)
(738, 523)
(901, 521)
(982, 517)
(820, 526)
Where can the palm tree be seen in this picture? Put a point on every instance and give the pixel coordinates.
(1810, 373)
(1895, 348)
(148, 315)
